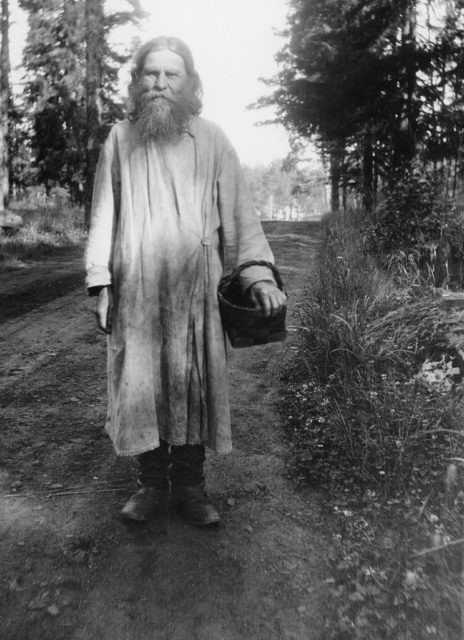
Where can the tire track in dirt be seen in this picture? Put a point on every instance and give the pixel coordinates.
(36, 338)
(24, 288)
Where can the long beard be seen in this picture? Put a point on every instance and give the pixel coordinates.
(161, 120)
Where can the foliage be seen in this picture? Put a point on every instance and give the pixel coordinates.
(373, 413)
(362, 341)
(377, 84)
(23, 173)
(330, 73)
(51, 226)
(415, 228)
(286, 192)
(387, 585)
(55, 64)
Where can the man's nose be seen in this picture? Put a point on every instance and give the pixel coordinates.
(161, 81)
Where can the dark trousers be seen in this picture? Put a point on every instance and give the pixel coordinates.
(182, 464)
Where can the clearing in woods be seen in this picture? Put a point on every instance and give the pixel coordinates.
(70, 568)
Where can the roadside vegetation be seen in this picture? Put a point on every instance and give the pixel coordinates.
(373, 400)
(50, 226)
(374, 393)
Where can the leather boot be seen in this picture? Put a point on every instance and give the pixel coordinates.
(188, 485)
(146, 503)
(193, 504)
(152, 497)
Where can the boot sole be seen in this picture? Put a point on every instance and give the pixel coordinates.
(127, 515)
(198, 523)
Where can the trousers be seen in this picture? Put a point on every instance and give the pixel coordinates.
(181, 464)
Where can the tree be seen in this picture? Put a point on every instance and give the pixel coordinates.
(94, 21)
(53, 92)
(360, 76)
(330, 77)
(101, 76)
(4, 104)
(71, 90)
(282, 190)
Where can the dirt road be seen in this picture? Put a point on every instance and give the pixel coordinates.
(70, 568)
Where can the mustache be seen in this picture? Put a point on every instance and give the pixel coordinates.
(151, 94)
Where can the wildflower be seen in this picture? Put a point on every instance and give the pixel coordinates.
(436, 539)
(410, 578)
(451, 476)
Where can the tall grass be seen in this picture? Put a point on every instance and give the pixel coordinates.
(374, 418)
(50, 228)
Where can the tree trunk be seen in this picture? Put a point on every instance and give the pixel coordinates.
(456, 168)
(405, 143)
(368, 172)
(336, 158)
(4, 104)
(94, 17)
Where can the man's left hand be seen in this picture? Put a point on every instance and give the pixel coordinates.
(268, 296)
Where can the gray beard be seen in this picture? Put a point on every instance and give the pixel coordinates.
(161, 120)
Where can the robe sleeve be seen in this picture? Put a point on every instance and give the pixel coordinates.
(104, 205)
(242, 234)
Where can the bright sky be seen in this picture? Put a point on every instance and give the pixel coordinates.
(233, 44)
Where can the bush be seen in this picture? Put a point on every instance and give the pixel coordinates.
(50, 228)
(417, 231)
(362, 410)
(373, 416)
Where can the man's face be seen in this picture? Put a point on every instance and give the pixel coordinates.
(163, 98)
(163, 74)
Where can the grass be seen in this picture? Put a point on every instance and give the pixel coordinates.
(48, 229)
(374, 414)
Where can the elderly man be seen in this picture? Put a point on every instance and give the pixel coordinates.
(170, 208)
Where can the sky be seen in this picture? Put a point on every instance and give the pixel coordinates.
(233, 43)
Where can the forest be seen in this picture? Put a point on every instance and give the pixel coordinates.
(52, 130)
(378, 85)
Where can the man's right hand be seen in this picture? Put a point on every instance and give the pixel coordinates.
(104, 310)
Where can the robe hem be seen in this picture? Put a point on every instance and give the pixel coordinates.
(126, 454)
(136, 452)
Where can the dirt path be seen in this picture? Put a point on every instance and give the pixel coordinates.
(70, 568)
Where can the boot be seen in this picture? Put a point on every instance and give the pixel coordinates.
(188, 486)
(152, 497)
(145, 504)
(193, 505)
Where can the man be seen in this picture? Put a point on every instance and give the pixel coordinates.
(169, 206)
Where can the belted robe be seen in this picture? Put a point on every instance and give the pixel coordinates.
(164, 222)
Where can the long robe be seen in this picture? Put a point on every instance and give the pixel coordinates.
(164, 222)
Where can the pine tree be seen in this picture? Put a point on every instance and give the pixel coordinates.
(53, 92)
(352, 78)
(71, 89)
(4, 104)
(101, 76)
(94, 21)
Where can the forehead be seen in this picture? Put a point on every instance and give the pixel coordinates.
(164, 58)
